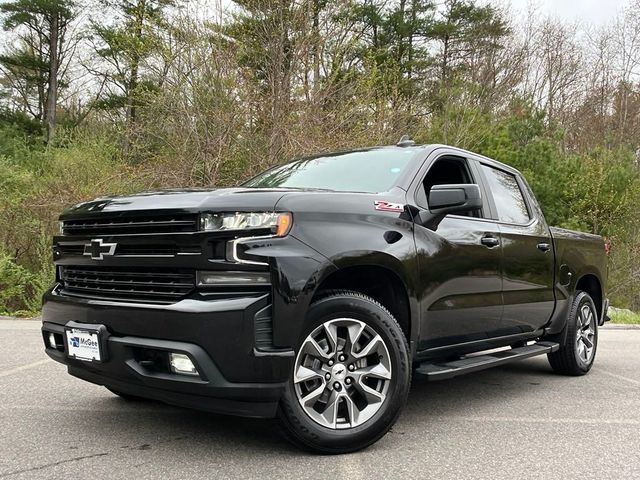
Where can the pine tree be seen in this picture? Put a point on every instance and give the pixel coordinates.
(34, 65)
(124, 47)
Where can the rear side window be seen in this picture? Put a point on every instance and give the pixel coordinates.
(507, 196)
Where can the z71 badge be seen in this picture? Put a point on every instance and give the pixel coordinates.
(388, 206)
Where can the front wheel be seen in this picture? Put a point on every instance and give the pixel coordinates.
(578, 351)
(350, 378)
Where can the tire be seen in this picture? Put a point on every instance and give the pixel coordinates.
(373, 380)
(575, 357)
(126, 396)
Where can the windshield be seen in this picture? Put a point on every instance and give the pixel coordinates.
(370, 171)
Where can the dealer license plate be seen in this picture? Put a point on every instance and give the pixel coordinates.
(83, 344)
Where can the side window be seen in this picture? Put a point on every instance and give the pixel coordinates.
(448, 170)
(507, 196)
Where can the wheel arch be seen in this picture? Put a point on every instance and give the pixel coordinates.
(383, 283)
(591, 284)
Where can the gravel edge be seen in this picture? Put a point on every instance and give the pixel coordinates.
(28, 319)
(620, 326)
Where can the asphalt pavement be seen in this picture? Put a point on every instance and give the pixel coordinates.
(514, 422)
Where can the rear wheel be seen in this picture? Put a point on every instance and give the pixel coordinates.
(578, 351)
(350, 378)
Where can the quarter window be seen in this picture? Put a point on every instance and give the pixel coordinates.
(507, 196)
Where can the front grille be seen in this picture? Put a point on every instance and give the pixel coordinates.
(131, 225)
(134, 250)
(148, 285)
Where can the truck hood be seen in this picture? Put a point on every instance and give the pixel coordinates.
(185, 200)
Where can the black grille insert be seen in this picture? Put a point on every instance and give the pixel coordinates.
(161, 250)
(131, 225)
(263, 329)
(76, 249)
(155, 285)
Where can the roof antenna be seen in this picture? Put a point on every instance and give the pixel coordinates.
(405, 141)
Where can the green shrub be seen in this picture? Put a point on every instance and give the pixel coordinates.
(21, 290)
(624, 316)
(36, 184)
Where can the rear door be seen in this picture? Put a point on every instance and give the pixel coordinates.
(527, 249)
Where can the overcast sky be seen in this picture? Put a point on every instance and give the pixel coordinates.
(594, 12)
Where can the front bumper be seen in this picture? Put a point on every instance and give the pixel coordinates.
(235, 377)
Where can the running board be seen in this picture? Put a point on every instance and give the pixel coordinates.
(468, 364)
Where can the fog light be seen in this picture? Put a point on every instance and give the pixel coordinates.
(181, 363)
(52, 340)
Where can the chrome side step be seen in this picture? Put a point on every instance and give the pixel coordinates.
(468, 364)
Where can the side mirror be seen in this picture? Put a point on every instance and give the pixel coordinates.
(454, 198)
(447, 199)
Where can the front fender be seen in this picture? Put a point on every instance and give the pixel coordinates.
(383, 240)
(319, 246)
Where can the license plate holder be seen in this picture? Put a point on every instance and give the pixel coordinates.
(86, 342)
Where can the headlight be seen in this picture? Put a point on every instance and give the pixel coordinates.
(278, 223)
(61, 228)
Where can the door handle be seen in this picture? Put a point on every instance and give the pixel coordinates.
(490, 241)
(544, 247)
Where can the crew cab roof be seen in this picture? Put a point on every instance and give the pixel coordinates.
(422, 152)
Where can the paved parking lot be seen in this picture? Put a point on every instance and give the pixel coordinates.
(518, 421)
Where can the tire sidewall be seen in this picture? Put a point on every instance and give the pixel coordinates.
(382, 322)
(581, 299)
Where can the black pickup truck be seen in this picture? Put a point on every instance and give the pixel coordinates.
(314, 291)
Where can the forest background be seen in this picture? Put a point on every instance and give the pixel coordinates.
(115, 96)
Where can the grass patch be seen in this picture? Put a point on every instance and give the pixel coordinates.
(624, 316)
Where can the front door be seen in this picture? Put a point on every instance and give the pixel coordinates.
(459, 265)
